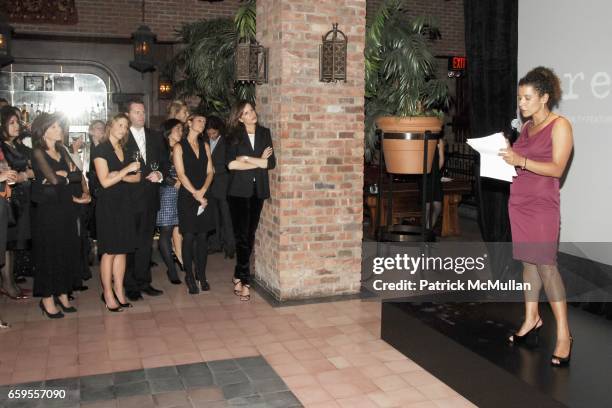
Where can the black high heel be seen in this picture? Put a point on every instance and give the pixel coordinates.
(57, 315)
(531, 336)
(70, 309)
(110, 309)
(563, 361)
(124, 305)
(191, 284)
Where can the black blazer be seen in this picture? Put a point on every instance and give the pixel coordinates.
(220, 183)
(241, 181)
(145, 195)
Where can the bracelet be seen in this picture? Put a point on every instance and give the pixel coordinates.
(525, 164)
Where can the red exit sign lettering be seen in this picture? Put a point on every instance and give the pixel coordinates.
(457, 63)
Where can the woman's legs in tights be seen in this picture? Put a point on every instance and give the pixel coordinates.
(165, 248)
(177, 241)
(199, 243)
(106, 276)
(118, 275)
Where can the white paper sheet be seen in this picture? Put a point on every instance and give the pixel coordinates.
(492, 165)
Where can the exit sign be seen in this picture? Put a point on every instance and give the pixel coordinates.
(457, 63)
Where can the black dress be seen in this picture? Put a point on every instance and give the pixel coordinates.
(116, 232)
(196, 171)
(55, 242)
(18, 157)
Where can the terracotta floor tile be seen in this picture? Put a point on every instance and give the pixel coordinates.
(27, 376)
(315, 367)
(360, 401)
(325, 404)
(406, 395)
(300, 381)
(375, 370)
(289, 369)
(64, 371)
(306, 354)
(340, 390)
(339, 362)
(270, 348)
(157, 361)
(127, 364)
(454, 402)
(311, 394)
(244, 351)
(216, 354)
(62, 360)
(390, 382)
(403, 366)
(382, 400)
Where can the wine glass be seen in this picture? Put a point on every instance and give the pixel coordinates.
(4, 166)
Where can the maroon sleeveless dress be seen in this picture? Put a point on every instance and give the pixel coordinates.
(534, 202)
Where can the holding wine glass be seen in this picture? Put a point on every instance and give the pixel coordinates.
(136, 156)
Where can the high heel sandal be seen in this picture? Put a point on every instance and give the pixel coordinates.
(4, 325)
(563, 361)
(247, 297)
(19, 296)
(237, 286)
(530, 335)
(65, 309)
(57, 315)
(110, 309)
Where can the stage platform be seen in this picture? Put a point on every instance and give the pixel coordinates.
(464, 345)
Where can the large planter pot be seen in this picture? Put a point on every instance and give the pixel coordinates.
(404, 141)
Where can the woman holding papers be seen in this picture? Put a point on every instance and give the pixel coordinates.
(191, 157)
(541, 154)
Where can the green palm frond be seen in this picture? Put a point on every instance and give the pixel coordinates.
(205, 64)
(400, 68)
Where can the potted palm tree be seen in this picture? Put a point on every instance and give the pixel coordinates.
(402, 92)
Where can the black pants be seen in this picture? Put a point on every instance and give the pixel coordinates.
(245, 218)
(138, 271)
(223, 237)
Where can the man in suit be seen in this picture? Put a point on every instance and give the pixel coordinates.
(145, 200)
(223, 238)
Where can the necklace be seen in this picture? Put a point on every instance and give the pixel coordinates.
(534, 124)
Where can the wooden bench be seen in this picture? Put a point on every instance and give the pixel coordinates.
(406, 204)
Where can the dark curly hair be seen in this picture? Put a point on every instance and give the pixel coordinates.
(544, 81)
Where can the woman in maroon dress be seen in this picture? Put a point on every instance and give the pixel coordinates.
(541, 154)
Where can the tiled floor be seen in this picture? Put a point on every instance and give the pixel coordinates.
(248, 381)
(328, 354)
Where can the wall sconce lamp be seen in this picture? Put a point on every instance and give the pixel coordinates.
(165, 88)
(251, 63)
(5, 42)
(332, 56)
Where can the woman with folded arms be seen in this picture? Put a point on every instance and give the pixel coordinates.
(54, 229)
(249, 157)
(114, 222)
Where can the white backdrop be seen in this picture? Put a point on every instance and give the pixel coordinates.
(575, 40)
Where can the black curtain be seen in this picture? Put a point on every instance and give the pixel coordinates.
(491, 41)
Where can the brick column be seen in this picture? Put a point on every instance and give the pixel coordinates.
(309, 238)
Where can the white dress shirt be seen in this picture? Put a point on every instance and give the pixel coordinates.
(141, 141)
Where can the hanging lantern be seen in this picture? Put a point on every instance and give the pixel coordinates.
(251, 63)
(165, 88)
(332, 56)
(143, 39)
(5, 42)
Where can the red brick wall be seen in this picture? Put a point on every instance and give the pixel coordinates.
(119, 18)
(309, 239)
(450, 17)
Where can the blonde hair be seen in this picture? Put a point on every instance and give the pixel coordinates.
(110, 124)
(175, 107)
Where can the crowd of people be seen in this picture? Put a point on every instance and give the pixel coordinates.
(199, 183)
